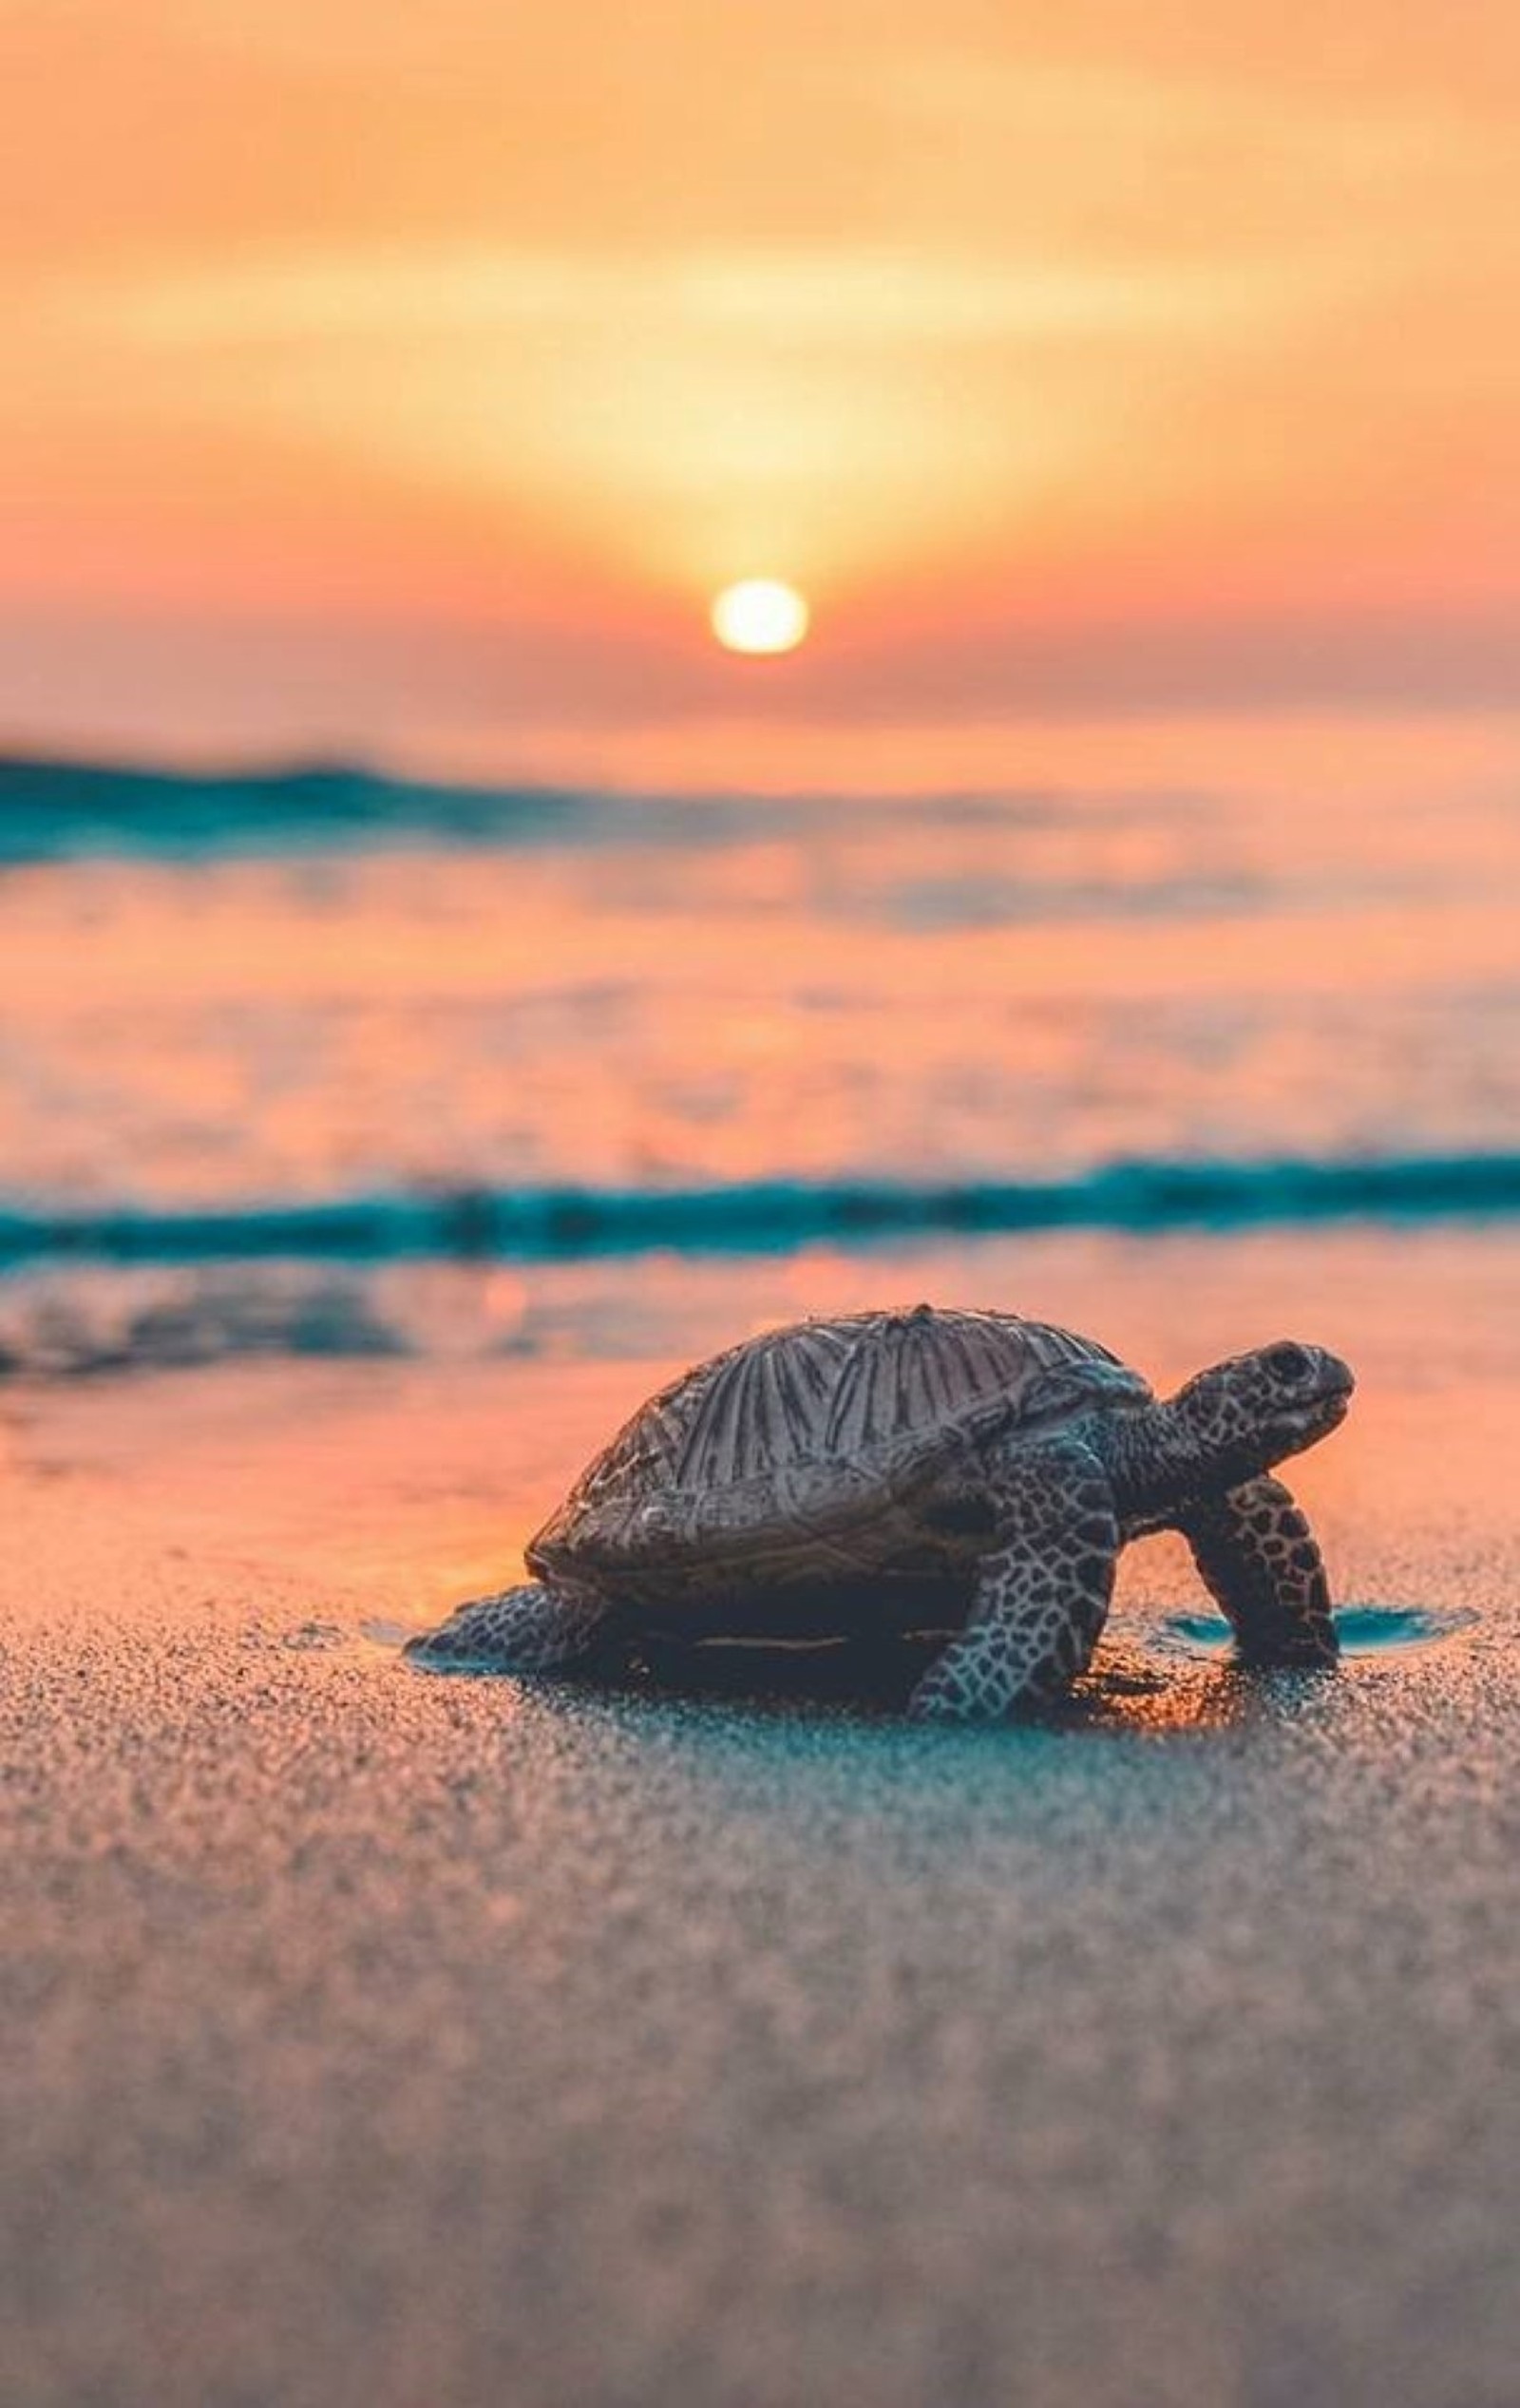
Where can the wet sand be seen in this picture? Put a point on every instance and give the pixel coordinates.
(372, 2038)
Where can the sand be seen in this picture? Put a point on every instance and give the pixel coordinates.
(372, 2038)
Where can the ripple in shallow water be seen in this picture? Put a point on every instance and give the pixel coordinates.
(1365, 1630)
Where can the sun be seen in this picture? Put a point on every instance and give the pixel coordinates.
(760, 615)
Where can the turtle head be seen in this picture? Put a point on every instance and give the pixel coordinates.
(1244, 1415)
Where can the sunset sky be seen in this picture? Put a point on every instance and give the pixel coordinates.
(405, 381)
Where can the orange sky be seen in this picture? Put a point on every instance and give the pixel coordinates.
(403, 380)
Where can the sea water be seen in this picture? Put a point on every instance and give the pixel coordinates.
(314, 1061)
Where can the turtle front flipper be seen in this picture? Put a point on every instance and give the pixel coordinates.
(528, 1629)
(1261, 1562)
(1041, 1595)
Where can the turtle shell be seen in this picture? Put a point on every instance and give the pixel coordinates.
(789, 1448)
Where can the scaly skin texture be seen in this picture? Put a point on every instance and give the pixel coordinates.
(999, 1521)
(528, 1629)
(1261, 1562)
(1041, 1595)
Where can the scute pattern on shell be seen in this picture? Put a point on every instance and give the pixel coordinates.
(820, 1390)
(847, 1392)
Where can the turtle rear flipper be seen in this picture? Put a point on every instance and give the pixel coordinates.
(530, 1629)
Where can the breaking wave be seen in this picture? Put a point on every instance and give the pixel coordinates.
(59, 810)
(765, 1217)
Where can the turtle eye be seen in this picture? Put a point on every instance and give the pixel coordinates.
(1289, 1362)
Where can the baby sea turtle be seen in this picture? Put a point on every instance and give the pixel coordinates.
(969, 1476)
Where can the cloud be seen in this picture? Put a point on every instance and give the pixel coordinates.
(835, 297)
(1096, 355)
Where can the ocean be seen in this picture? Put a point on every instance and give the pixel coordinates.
(307, 1060)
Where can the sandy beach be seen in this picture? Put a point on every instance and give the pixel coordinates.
(376, 2038)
